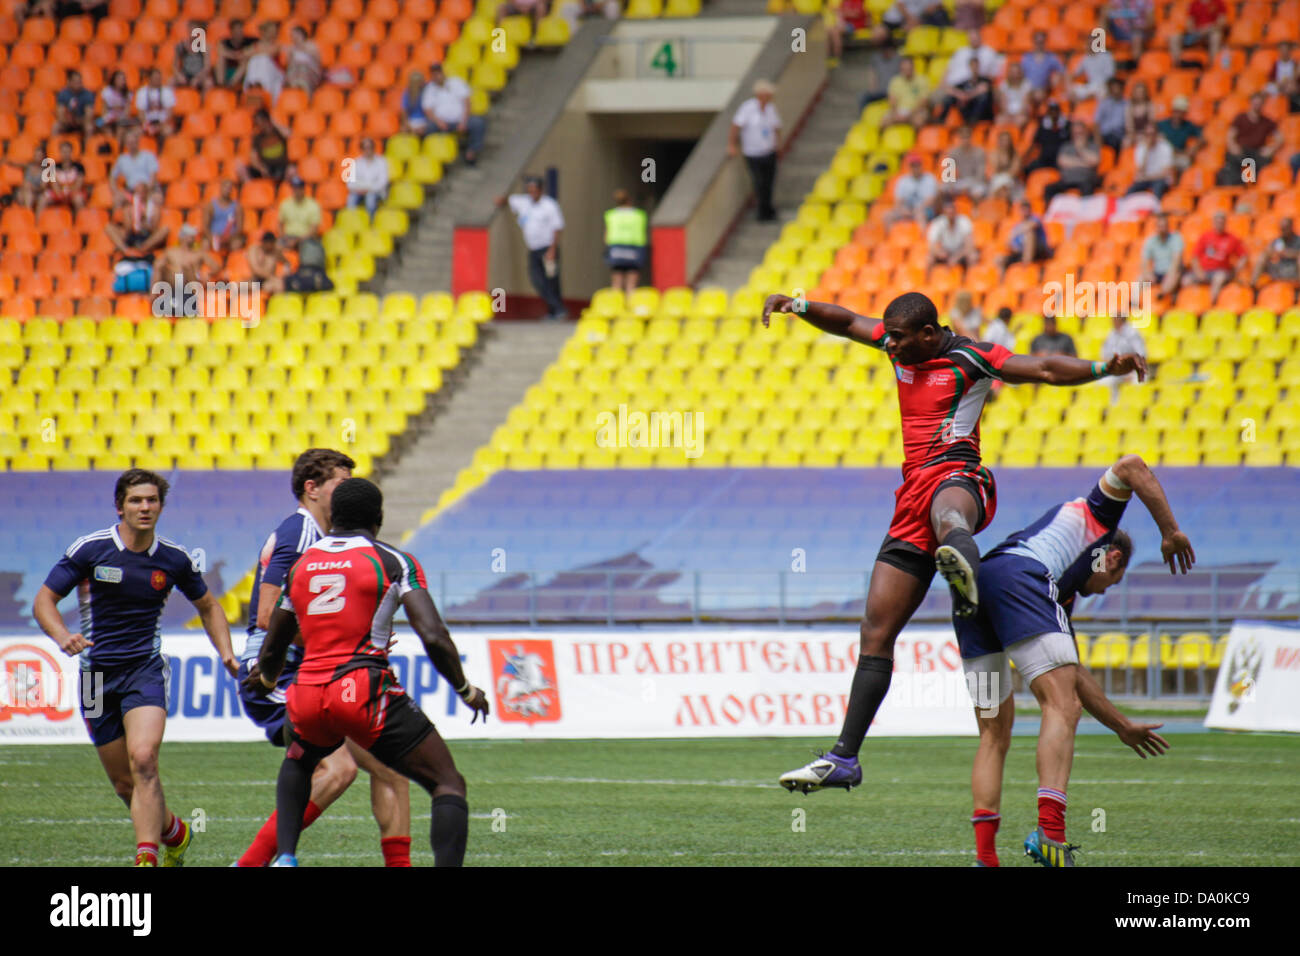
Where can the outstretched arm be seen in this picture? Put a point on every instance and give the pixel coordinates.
(1141, 737)
(1175, 548)
(1063, 370)
(827, 317)
(428, 624)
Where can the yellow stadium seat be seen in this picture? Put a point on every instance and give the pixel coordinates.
(552, 31)
(1110, 650)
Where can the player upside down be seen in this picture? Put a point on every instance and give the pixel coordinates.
(1028, 584)
(947, 495)
(342, 594)
(316, 473)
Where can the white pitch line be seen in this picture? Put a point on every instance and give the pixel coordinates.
(97, 821)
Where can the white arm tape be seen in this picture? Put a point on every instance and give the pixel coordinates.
(1116, 481)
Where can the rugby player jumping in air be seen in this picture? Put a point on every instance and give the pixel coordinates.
(947, 496)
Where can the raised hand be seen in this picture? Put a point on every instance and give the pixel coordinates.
(1129, 362)
(1176, 545)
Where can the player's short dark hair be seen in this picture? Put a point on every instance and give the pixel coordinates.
(318, 464)
(356, 503)
(1122, 543)
(139, 476)
(914, 310)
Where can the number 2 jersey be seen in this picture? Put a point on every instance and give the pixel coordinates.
(344, 591)
(940, 400)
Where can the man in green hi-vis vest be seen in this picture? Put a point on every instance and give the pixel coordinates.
(625, 242)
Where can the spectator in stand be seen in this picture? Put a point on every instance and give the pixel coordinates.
(1110, 115)
(909, 14)
(1015, 97)
(1285, 78)
(523, 8)
(369, 183)
(1153, 164)
(62, 9)
(1281, 258)
(31, 186)
(414, 118)
(300, 215)
(1028, 242)
(445, 102)
(998, 330)
(843, 19)
(155, 104)
(69, 185)
(976, 58)
(1140, 114)
(1053, 133)
(1122, 339)
(1183, 135)
(223, 219)
(1006, 178)
(968, 164)
(1052, 341)
(1078, 162)
(625, 241)
(609, 9)
(267, 264)
(909, 96)
(74, 108)
(542, 223)
(187, 258)
(1043, 69)
(136, 235)
(756, 132)
(310, 275)
(1207, 21)
(1090, 79)
(1252, 136)
(233, 54)
(262, 70)
(881, 69)
(1162, 257)
(915, 193)
(1215, 258)
(951, 238)
(116, 118)
(303, 68)
(1131, 22)
(135, 166)
(192, 67)
(973, 97)
(965, 317)
(269, 157)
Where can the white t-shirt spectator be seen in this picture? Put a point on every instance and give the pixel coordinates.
(1122, 341)
(1097, 69)
(137, 169)
(951, 236)
(911, 191)
(1153, 163)
(447, 103)
(155, 105)
(539, 221)
(958, 71)
(1163, 254)
(369, 175)
(758, 126)
(997, 333)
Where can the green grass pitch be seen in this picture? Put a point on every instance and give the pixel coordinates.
(1215, 799)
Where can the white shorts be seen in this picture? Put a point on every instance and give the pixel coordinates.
(990, 675)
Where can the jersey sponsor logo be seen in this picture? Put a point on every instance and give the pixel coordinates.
(159, 580)
(31, 684)
(108, 575)
(938, 378)
(523, 675)
(329, 565)
(905, 375)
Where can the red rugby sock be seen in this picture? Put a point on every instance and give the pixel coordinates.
(262, 850)
(1051, 813)
(397, 851)
(986, 833)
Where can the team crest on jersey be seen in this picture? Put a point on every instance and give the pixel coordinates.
(905, 375)
(30, 684)
(108, 575)
(159, 580)
(524, 679)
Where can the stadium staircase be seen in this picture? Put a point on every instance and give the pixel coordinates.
(807, 156)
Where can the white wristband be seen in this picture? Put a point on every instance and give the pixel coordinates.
(1116, 481)
(461, 693)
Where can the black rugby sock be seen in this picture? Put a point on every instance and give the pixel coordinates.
(449, 829)
(870, 685)
(964, 542)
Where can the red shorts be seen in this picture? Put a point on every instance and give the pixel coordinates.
(910, 544)
(367, 704)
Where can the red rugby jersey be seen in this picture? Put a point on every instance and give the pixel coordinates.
(344, 591)
(940, 401)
